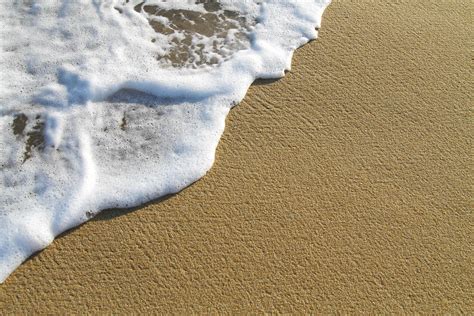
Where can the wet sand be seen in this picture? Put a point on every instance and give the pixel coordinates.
(346, 186)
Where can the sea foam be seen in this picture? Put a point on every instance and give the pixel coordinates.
(113, 103)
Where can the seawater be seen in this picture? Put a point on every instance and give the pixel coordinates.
(113, 103)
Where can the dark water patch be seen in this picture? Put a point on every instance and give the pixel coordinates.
(198, 38)
(138, 7)
(123, 124)
(19, 124)
(210, 5)
(35, 139)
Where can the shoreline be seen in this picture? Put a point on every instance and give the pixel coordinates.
(340, 187)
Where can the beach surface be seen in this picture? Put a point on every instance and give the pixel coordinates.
(345, 186)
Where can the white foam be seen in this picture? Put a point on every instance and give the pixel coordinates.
(93, 115)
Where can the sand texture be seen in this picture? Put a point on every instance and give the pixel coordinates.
(346, 186)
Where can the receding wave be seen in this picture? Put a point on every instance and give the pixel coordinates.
(114, 103)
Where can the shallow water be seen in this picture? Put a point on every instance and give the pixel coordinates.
(114, 103)
(198, 38)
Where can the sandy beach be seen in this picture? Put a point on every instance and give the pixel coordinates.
(344, 187)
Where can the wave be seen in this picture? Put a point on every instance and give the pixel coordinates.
(113, 103)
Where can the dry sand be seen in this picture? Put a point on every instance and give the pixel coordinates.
(346, 186)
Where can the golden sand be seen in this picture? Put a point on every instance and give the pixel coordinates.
(346, 186)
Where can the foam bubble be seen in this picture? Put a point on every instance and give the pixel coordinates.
(114, 103)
